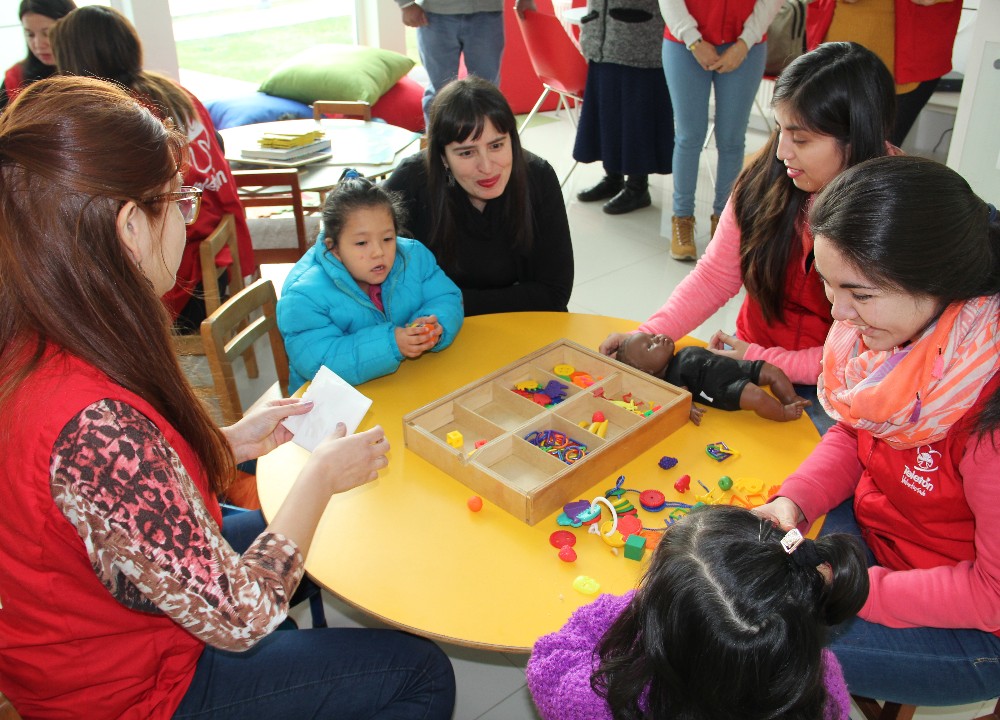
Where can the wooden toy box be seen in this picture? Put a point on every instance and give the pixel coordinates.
(523, 479)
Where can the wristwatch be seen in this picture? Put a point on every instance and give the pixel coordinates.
(693, 45)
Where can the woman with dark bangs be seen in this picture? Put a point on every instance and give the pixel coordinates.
(491, 212)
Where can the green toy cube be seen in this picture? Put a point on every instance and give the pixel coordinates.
(634, 547)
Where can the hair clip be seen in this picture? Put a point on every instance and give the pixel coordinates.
(793, 538)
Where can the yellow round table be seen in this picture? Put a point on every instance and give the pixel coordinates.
(408, 550)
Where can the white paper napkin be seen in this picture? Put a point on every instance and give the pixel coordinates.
(336, 401)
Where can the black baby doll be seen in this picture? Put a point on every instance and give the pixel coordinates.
(715, 380)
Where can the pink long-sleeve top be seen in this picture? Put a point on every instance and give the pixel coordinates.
(715, 280)
(964, 594)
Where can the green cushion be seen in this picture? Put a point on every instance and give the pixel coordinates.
(337, 72)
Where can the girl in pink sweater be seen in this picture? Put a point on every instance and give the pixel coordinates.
(728, 623)
(834, 108)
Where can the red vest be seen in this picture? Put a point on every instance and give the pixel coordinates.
(910, 504)
(806, 310)
(924, 38)
(67, 647)
(719, 21)
(12, 81)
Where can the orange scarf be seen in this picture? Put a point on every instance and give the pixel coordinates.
(912, 396)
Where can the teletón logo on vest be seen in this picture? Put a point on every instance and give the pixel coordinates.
(926, 462)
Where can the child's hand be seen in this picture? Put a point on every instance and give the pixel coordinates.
(419, 336)
(696, 414)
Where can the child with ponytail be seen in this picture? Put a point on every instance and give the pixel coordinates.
(728, 622)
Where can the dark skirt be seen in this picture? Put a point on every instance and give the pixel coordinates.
(626, 120)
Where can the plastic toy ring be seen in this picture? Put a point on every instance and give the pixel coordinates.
(614, 514)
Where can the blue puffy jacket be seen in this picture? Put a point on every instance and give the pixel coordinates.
(327, 319)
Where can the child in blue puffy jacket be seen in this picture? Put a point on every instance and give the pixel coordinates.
(361, 300)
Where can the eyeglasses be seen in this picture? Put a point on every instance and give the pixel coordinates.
(188, 199)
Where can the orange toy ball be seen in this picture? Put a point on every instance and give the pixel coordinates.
(475, 503)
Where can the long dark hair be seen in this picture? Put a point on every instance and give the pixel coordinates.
(72, 151)
(98, 41)
(841, 90)
(459, 112)
(728, 626)
(915, 225)
(34, 69)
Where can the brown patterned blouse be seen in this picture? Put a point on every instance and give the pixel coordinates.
(151, 539)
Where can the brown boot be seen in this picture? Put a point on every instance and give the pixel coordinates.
(682, 243)
(715, 224)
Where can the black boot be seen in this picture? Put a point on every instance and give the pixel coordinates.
(633, 196)
(609, 186)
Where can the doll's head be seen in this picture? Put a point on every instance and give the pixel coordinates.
(360, 221)
(649, 353)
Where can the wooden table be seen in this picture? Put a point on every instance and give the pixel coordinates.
(374, 149)
(406, 548)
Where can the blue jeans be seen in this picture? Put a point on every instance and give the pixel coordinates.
(690, 86)
(816, 413)
(479, 36)
(343, 673)
(916, 666)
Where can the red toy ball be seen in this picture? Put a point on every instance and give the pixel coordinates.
(475, 503)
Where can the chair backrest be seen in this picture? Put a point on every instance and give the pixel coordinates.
(338, 108)
(558, 62)
(224, 235)
(231, 331)
(274, 188)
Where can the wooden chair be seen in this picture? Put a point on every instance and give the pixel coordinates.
(896, 711)
(345, 109)
(224, 235)
(273, 188)
(230, 332)
(7, 711)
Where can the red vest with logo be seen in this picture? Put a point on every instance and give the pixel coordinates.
(910, 504)
(806, 309)
(719, 21)
(67, 647)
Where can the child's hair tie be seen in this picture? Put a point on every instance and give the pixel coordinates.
(802, 550)
(349, 174)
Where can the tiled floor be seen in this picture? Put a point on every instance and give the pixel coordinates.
(623, 268)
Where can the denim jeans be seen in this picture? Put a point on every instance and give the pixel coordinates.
(916, 666)
(343, 673)
(479, 36)
(690, 86)
(816, 413)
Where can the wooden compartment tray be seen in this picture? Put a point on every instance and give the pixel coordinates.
(516, 475)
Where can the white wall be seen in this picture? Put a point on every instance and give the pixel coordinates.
(975, 147)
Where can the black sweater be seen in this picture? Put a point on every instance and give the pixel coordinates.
(493, 277)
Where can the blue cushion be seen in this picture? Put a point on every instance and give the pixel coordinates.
(256, 108)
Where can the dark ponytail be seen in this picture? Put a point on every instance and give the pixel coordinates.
(726, 625)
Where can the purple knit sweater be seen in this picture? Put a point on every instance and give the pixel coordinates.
(561, 664)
